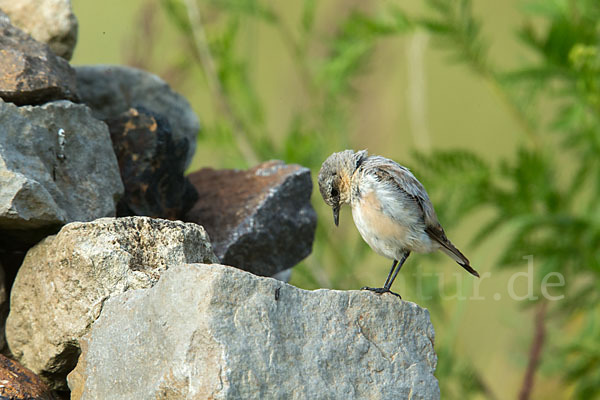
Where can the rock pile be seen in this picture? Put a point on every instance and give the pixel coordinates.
(103, 282)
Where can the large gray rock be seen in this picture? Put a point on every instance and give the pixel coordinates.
(65, 279)
(112, 89)
(30, 73)
(214, 332)
(47, 21)
(260, 220)
(49, 180)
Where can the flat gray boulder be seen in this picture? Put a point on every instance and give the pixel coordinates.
(111, 90)
(64, 281)
(57, 165)
(215, 332)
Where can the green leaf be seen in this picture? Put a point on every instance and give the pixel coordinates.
(308, 15)
(251, 8)
(177, 13)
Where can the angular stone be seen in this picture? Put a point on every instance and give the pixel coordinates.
(112, 89)
(260, 220)
(17, 382)
(64, 281)
(47, 21)
(30, 73)
(152, 164)
(48, 179)
(214, 332)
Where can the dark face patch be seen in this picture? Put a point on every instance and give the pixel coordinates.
(329, 187)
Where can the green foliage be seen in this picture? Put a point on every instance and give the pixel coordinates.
(353, 44)
(457, 30)
(545, 195)
(584, 359)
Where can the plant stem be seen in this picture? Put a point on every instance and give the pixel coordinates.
(298, 54)
(535, 352)
(203, 53)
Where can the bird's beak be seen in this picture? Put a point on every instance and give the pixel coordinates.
(336, 215)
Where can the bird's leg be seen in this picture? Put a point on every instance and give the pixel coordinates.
(405, 255)
(390, 274)
(396, 265)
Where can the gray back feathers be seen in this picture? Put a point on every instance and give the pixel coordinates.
(405, 182)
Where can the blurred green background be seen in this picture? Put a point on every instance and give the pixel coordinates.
(494, 105)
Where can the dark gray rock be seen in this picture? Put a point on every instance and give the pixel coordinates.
(215, 332)
(30, 73)
(64, 281)
(152, 164)
(111, 90)
(48, 179)
(47, 21)
(259, 220)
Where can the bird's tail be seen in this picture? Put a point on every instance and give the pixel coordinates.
(437, 234)
(459, 257)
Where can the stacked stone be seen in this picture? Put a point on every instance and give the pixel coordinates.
(125, 275)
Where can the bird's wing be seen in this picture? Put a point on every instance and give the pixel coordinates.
(408, 186)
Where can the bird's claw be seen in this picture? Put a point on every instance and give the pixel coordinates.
(381, 290)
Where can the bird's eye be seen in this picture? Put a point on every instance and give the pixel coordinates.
(334, 192)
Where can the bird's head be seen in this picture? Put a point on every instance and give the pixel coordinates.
(335, 177)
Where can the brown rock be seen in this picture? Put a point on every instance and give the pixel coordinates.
(17, 382)
(259, 220)
(152, 165)
(47, 21)
(30, 73)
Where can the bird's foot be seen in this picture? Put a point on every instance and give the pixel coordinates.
(380, 290)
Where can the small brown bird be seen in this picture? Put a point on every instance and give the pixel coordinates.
(390, 208)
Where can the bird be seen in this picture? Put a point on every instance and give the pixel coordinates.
(390, 208)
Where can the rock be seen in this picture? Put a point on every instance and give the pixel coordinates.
(209, 331)
(47, 21)
(17, 382)
(65, 280)
(259, 220)
(48, 179)
(283, 276)
(152, 165)
(111, 90)
(30, 72)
